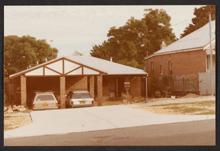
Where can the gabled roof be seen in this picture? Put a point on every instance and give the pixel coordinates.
(79, 65)
(106, 66)
(194, 41)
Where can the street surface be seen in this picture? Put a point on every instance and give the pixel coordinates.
(182, 133)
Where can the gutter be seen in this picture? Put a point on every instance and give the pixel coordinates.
(172, 52)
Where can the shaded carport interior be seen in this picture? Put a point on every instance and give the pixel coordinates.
(100, 77)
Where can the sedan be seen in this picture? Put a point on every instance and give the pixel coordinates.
(45, 100)
(80, 98)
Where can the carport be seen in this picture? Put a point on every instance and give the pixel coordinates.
(102, 78)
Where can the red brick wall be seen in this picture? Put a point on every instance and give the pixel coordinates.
(136, 86)
(182, 63)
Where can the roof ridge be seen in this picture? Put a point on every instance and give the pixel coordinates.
(186, 38)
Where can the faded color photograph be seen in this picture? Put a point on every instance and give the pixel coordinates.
(109, 75)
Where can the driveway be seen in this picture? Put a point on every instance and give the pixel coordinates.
(65, 121)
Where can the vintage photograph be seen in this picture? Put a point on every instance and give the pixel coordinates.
(109, 75)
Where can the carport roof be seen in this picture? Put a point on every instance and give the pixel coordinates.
(106, 66)
(88, 62)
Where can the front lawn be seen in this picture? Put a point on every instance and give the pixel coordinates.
(113, 102)
(118, 101)
(16, 119)
(195, 108)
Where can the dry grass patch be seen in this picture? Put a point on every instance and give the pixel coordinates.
(16, 119)
(113, 102)
(196, 108)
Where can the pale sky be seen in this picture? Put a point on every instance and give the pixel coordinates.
(70, 28)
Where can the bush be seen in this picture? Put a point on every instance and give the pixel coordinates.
(161, 86)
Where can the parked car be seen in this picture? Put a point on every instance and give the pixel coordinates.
(45, 100)
(79, 98)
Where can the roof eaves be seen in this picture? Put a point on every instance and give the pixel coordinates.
(172, 52)
(208, 44)
(33, 68)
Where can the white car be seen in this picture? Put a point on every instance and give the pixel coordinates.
(80, 98)
(45, 100)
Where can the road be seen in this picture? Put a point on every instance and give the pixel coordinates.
(185, 133)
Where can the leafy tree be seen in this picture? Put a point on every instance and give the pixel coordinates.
(130, 43)
(25, 51)
(200, 19)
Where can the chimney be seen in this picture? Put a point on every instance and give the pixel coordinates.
(146, 53)
(163, 44)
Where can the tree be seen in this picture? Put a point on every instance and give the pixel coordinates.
(200, 19)
(130, 43)
(25, 51)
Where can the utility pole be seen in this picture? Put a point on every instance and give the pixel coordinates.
(210, 48)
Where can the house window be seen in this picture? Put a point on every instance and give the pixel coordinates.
(152, 67)
(161, 70)
(170, 70)
(208, 62)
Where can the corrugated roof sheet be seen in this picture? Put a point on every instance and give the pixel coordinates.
(197, 39)
(106, 66)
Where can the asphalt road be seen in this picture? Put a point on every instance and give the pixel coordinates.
(196, 133)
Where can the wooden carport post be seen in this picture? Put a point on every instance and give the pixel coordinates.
(23, 90)
(116, 87)
(146, 90)
(91, 86)
(62, 92)
(99, 89)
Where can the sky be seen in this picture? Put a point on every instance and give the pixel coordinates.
(79, 28)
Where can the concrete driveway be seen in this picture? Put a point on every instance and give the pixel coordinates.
(94, 118)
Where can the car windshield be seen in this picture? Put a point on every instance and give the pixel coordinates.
(45, 97)
(80, 95)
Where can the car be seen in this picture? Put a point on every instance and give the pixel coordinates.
(45, 100)
(80, 98)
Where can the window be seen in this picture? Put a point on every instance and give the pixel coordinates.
(161, 70)
(170, 70)
(80, 95)
(208, 62)
(152, 67)
(45, 97)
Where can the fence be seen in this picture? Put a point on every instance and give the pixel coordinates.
(205, 83)
(185, 83)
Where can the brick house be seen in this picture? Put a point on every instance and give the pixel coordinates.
(185, 60)
(102, 78)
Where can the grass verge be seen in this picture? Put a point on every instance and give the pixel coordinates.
(16, 119)
(195, 108)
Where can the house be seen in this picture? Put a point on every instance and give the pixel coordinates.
(186, 61)
(102, 78)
